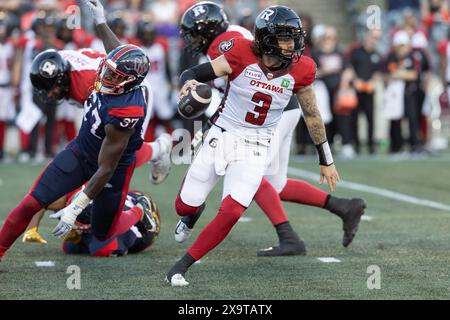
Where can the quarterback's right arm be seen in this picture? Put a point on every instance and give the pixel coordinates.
(316, 128)
(109, 39)
(203, 73)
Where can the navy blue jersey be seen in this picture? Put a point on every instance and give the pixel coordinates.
(122, 111)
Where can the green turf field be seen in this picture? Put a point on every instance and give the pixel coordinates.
(408, 242)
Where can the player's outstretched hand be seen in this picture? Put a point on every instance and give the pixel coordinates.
(331, 175)
(97, 11)
(66, 222)
(188, 85)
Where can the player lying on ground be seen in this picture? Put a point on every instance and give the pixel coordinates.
(211, 34)
(263, 76)
(103, 155)
(138, 238)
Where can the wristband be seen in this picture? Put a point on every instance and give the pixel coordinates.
(100, 20)
(325, 156)
(80, 202)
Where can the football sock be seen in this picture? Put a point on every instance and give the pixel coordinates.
(125, 221)
(303, 193)
(337, 206)
(286, 234)
(191, 220)
(144, 154)
(2, 134)
(181, 266)
(229, 213)
(17, 221)
(69, 130)
(183, 209)
(268, 200)
(24, 141)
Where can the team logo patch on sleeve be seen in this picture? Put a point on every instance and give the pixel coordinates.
(225, 46)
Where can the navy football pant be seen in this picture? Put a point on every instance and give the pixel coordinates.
(67, 172)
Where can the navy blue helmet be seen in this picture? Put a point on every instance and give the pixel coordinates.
(122, 70)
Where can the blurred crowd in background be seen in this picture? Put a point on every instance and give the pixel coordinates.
(384, 93)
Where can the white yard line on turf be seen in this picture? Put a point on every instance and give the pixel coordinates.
(44, 263)
(328, 260)
(378, 191)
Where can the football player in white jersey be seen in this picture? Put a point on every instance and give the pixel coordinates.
(213, 41)
(263, 75)
(6, 90)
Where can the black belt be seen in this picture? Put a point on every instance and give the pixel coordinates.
(5, 85)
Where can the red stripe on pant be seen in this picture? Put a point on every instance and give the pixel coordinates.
(215, 232)
(107, 250)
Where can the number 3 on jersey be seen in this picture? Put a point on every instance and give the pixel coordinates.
(263, 102)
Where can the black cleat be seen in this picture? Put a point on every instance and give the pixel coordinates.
(351, 219)
(297, 248)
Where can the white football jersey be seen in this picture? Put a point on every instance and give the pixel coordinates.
(157, 74)
(6, 57)
(84, 64)
(256, 97)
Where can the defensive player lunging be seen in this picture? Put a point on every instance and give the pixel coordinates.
(102, 154)
(263, 75)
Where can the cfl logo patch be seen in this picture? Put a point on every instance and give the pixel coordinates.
(198, 11)
(267, 14)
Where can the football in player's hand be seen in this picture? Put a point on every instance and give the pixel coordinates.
(195, 102)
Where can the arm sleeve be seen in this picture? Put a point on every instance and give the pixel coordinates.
(203, 73)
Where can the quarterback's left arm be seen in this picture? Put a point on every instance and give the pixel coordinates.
(113, 146)
(316, 128)
(204, 72)
(109, 39)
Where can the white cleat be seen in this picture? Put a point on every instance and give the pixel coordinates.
(178, 280)
(161, 167)
(182, 232)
